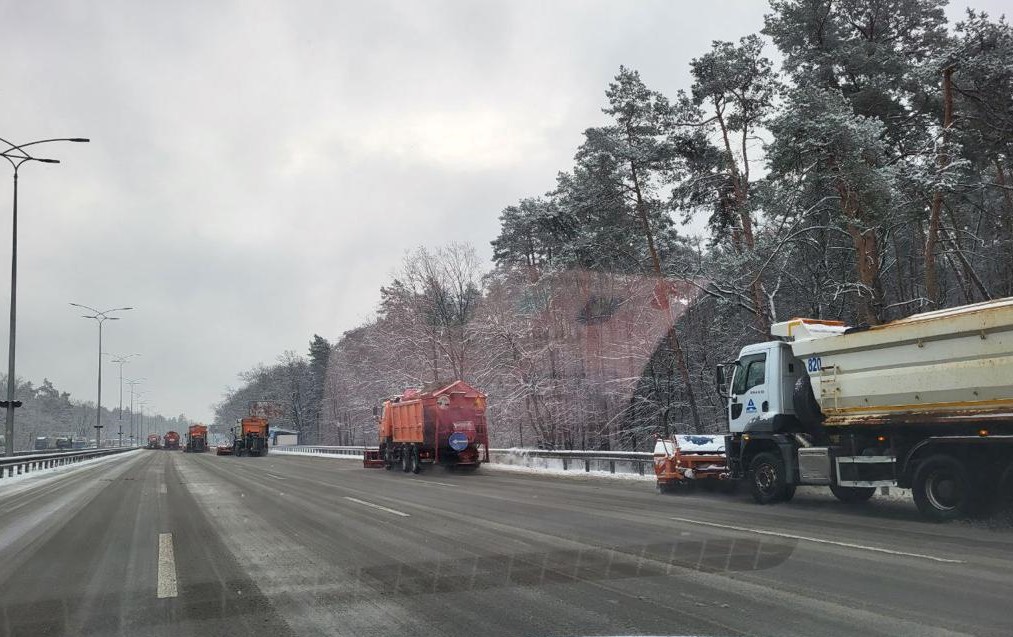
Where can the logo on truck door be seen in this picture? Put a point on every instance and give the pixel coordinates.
(750, 406)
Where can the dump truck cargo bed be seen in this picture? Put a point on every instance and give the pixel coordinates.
(943, 366)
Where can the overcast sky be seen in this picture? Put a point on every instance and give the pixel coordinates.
(257, 169)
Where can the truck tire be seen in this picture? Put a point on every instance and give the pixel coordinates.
(767, 479)
(807, 410)
(941, 488)
(852, 495)
(1004, 492)
(416, 465)
(406, 459)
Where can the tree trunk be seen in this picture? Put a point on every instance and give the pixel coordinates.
(745, 222)
(673, 337)
(943, 160)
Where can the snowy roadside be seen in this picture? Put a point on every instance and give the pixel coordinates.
(496, 466)
(571, 473)
(18, 483)
(334, 456)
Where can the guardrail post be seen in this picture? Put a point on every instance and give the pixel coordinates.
(612, 466)
(640, 465)
(587, 466)
(565, 463)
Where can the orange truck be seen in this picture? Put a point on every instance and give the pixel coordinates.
(196, 439)
(446, 426)
(250, 437)
(171, 440)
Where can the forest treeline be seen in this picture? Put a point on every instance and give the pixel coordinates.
(865, 177)
(48, 412)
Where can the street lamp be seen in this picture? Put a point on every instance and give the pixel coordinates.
(140, 421)
(16, 155)
(133, 382)
(100, 316)
(121, 360)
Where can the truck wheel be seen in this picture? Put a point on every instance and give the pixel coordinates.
(1004, 493)
(941, 488)
(852, 495)
(807, 410)
(406, 460)
(767, 479)
(416, 465)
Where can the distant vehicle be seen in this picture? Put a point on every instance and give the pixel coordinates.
(171, 440)
(63, 442)
(80, 442)
(446, 427)
(154, 441)
(42, 443)
(196, 439)
(250, 437)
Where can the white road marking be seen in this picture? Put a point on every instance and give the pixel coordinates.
(377, 506)
(166, 567)
(875, 549)
(162, 489)
(442, 484)
(275, 477)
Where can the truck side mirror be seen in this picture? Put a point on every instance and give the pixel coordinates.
(721, 378)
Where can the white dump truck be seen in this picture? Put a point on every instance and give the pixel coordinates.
(924, 402)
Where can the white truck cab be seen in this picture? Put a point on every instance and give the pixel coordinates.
(760, 390)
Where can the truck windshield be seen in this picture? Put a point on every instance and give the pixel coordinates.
(749, 372)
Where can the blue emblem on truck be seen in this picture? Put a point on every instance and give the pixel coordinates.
(750, 406)
(458, 441)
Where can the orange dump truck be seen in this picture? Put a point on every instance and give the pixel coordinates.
(196, 439)
(171, 440)
(250, 437)
(446, 426)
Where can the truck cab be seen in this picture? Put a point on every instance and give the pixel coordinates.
(760, 389)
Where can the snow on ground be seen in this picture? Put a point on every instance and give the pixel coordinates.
(18, 483)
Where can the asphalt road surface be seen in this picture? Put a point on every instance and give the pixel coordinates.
(166, 543)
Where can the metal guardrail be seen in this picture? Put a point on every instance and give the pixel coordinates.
(18, 465)
(639, 461)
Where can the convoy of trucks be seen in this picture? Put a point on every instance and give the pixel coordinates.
(196, 439)
(924, 402)
(446, 426)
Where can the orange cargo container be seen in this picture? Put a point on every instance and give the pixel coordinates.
(251, 437)
(196, 439)
(446, 426)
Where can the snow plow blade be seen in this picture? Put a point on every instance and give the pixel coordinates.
(681, 461)
(371, 459)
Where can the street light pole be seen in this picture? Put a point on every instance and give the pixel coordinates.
(133, 382)
(125, 358)
(100, 316)
(16, 155)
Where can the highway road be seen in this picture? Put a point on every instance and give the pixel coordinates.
(166, 543)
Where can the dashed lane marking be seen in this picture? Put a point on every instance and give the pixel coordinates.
(377, 506)
(166, 567)
(819, 540)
